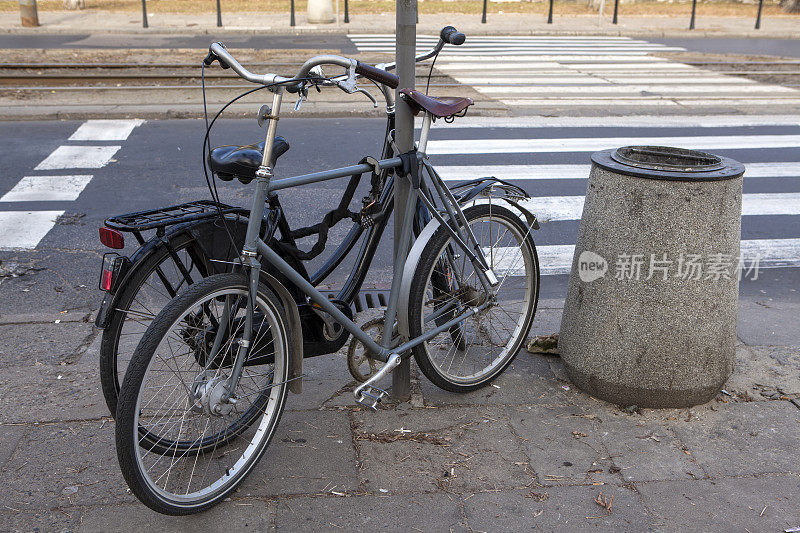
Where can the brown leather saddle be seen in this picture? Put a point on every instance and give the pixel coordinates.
(438, 106)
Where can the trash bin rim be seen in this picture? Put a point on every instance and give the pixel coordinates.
(615, 161)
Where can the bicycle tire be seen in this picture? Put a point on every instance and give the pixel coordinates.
(423, 283)
(145, 377)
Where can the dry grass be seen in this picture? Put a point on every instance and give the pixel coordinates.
(363, 7)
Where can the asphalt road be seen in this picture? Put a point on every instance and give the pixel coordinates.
(160, 163)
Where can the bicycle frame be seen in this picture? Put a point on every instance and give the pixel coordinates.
(255, 247)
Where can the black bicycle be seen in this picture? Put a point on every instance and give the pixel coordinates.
(181, 244)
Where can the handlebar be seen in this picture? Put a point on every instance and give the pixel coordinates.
(379, 73)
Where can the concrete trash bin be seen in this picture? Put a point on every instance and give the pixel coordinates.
(651, 309)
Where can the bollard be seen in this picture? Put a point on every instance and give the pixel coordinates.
(320, 12)
(483, 17)
(550, 13)
(616, 10)
(219, 14)
(651, 310)
(28, 13)
(346, 12)
(291, 13)
(694, 10)
(758, 16)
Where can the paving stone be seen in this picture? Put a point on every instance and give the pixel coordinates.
(767, 503)
(765, 368)
(239, 514)
(58, 519)
(9, 438)
(403, 513)
(424, 450)
(548, 318)
(769, 322)
(326, 375)
(567, 509)
(528, 380)
(29, 344)
(644, 450)
(743, 438)
(311, 453)
(37, 394)
(52, 458)
(564, 444)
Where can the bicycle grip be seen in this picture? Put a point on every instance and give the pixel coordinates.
(451, 35)
(213, 56)
(377, 75)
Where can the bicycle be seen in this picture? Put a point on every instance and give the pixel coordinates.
(214, 366)
(190, 243)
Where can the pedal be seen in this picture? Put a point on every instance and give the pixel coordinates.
(371, 397)
(367, 393)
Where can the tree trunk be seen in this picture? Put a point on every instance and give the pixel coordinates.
(791, 6)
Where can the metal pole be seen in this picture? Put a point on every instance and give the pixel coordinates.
(550, 13)
(219, 15)
(406, 47)
(291, 9)
(346, 12)
(483, 18)
(758, 17)
(616, 10)
(28, 14)
(694, 9)
(144, 14)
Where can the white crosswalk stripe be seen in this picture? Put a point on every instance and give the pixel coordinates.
(23, 230)
(603, 72)
(515, 138)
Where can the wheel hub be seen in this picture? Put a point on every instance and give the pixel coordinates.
(210, 395)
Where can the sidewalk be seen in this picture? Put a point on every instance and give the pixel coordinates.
(57, 22)
(530, 452)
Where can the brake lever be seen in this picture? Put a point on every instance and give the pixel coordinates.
(368, 95)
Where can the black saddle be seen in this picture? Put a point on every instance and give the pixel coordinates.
(241, 162)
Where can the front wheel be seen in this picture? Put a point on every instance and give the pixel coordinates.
(476, 350)
(181, 444)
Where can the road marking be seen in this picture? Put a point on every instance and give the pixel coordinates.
(553, 208)
(629, 90)
(22, 230)
(631, 121)
(557, 259)
(561, 172)
(511, 146)
(47, 189)
(78, 157)
(105, 130)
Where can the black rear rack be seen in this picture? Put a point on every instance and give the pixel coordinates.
(169, 216)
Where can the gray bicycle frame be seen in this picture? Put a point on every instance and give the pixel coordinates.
(254, 247)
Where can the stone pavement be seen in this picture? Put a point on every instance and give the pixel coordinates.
(529, 452)
(783, 26)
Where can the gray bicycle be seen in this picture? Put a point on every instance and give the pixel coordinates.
(208, 382)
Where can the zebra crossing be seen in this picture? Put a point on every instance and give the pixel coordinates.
(524, 151)
(24, 229)
(586, 71)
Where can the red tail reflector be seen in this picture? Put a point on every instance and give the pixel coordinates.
(112, 271)
(112, 238)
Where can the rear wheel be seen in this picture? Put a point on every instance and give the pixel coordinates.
(470, 354)
(182, 446)
(156, 280)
